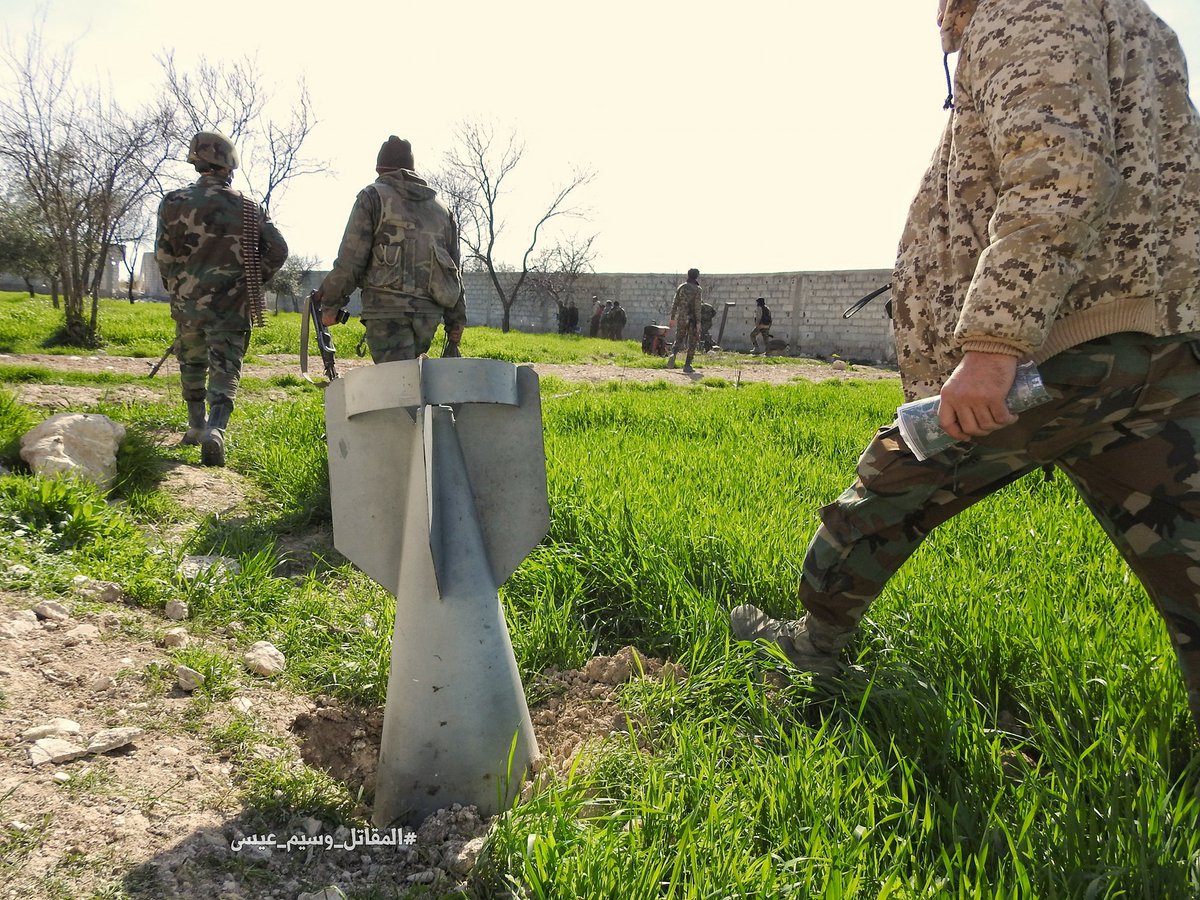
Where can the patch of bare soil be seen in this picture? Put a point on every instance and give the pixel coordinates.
(160, 816)
(63, 397)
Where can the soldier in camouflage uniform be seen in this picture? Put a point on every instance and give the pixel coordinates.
(401, 248)
(685, 319)
(1059, 222)
(200, 252)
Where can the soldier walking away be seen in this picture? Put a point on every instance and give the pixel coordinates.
(616, 321)
(708, 313)
(685, 319)
(400, 248)
(597, 315)
(762, 325)
(1077, 247)
(572, 317)
(214, 247)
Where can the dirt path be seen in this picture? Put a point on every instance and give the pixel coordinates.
(731, 369)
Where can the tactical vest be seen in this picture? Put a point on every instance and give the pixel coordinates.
(410, 254)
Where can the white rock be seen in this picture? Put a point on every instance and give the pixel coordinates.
(53, 728)
(465, 858)
(332, 892)
(100, 591)
(54, 750)
(174, 638)
(311, 827)
(177, 610)
(18, 628)
(189, 678)
(82, 444)
(51, 609)
(81, 633)
(220, 566)
(111, 739)
(62, 777)
(243, 705)
(19, 571)
(264, 658)
(102, 683)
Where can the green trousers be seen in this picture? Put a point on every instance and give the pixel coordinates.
(1123, 424)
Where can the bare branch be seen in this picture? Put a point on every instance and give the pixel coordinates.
(472, 181)
(231, 98)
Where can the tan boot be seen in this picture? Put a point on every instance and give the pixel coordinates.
(749, 623)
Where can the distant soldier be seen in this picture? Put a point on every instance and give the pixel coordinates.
(707, 313)
(207, 233)
(606, 320)
(572, 317)
(616, 321)
(685, 319)
(762, 325)
(401, 248)
(597, 314)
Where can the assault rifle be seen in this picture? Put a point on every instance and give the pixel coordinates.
(162, 359)
(312, 314)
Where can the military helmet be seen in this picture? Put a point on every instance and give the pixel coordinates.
(213, 148)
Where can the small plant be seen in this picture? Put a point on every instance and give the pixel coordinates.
(61, 513)
(19, 840)
(220, 674)
(15, 420)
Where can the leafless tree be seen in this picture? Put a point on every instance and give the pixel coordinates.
(472, 181)
(82, 159)
(557, 270)
(231, 98)
(290, 280)
(136, 230)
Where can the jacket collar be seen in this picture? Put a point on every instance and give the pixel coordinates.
(954, 22)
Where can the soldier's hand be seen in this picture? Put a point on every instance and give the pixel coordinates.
(454, 332)
(329, 317)
(974, 398)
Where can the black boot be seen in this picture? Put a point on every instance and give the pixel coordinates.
(212, 445)
(196, 423)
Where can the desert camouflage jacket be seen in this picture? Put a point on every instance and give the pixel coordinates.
(401, 248)
(1063, 202)
(686, 308)
(199, 249)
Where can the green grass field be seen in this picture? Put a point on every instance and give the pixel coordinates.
(1018, 728)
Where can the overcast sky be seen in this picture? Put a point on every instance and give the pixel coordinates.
(735, 137)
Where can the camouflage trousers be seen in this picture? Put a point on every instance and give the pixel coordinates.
(685, 339)
(1123, 424)
(210, 358)
(403, 336)
(765, 331)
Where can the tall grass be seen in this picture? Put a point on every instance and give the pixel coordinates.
(1016, 729)
(146, 330)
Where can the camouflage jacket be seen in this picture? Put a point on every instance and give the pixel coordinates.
(1063, 202)
(401, 248)
(686, 309)
(199, 249)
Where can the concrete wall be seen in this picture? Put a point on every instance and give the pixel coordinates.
(806, 308)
